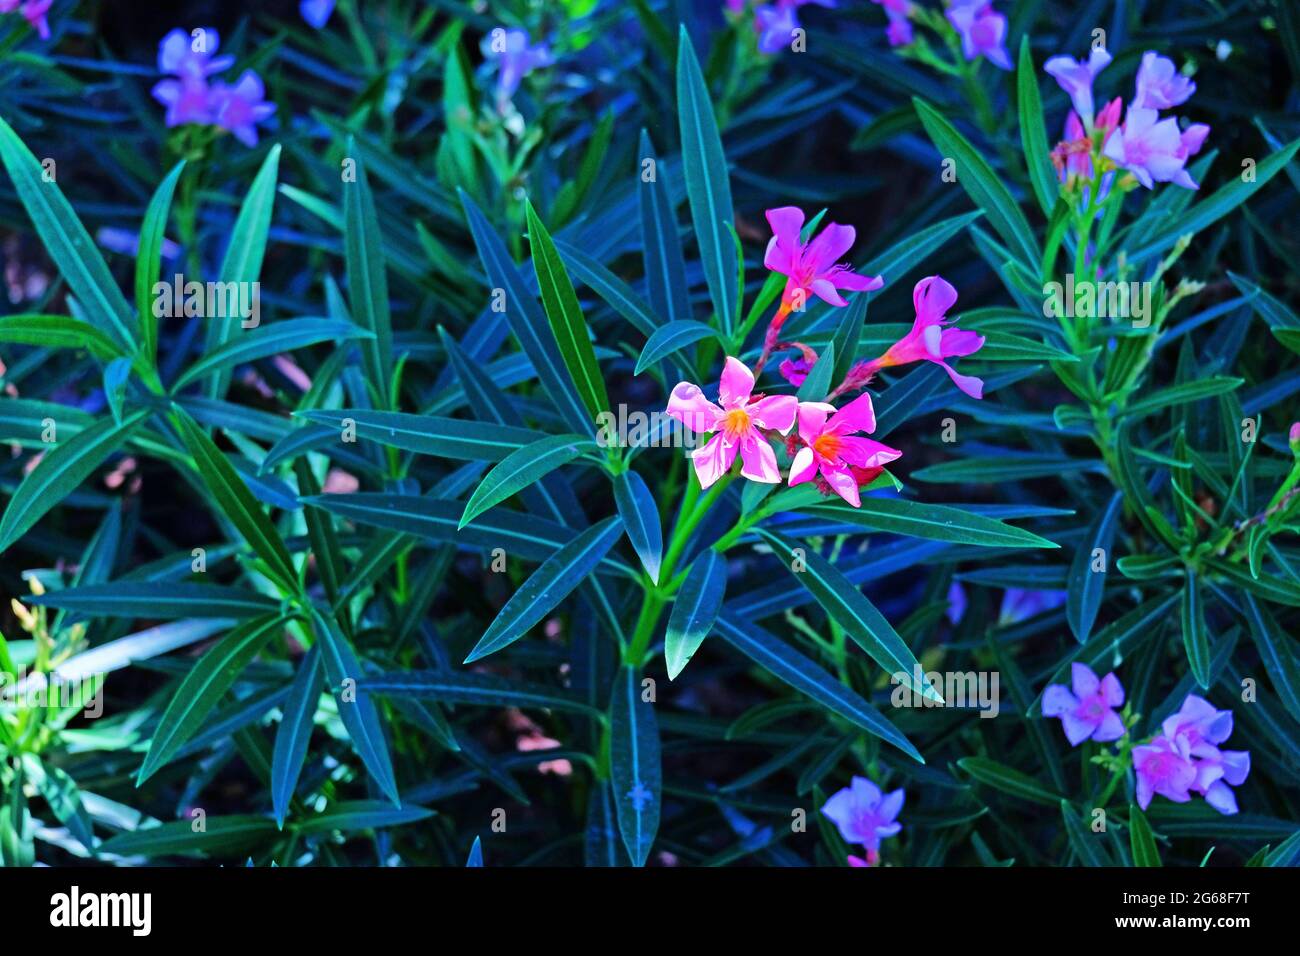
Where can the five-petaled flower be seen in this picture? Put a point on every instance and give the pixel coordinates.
(865, 815)
(812, 267)
(982, 30)
(1159, 84)
(737, 423)
(1153, 149)
(832, 448)
(1088, 712)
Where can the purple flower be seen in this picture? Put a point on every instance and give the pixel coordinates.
(956, 603)
(33, 11)
(128, 243)
(1075, 77)
(775, 23)
(864, 815)
(241, 107)
(187, 101)
(1159, 85)
(515, 57)
(316, 12)
(982, 30)
(1088, 712)
(1197, 730)
(190, 56)
(1153, 149)
(899, 31)
(1020, 605)
(1163, 769)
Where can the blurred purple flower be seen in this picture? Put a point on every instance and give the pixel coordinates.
(1075, 77)
(1020, 605)
(515, 57)
(956, 603)
(1162, 769)
(863, 814)
(775, 23)
(1197, 730)
(316, 12)
(128, 243)
(1155, 150)
(1088, 711)
(187, 101)
(190, 56)
(241, 107)
(982, 29)
(33, 11)
(1159, 84)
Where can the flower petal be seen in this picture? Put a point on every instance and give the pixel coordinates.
(774, 411)
(688, 405)
(736, 384)
(932, 297)
(857, 416)
(758, 460)
(804, 467)
(713, 460)
(842, 482)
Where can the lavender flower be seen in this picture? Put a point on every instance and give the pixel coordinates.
(190, 61)
(190, 56)
(515, 57)
(240, 107)
(1153, 149)
(1020, 605)
(864, 815)
(1159, 85)
(33, 11)
(316, 12)
(1088, 712)
(982, 29)
(1076, 76)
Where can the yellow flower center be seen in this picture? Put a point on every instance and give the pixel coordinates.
(827, 445)
(736, 422)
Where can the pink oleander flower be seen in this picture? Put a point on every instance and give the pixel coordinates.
(1076, 76)
(1197, 730)
(831, 449)
(795, 371)
(982, 29)
(1088, 712)
(1155, 150)
(33, 11)
(736, 425)
(930, 341)
(857, 861)
(812, 268)
(1159, 84)
(241, 107)
(864, 815)
(1293, 437)
(1161, 768)
(735, 6)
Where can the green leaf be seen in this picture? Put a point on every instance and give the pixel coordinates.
(616, 293)
(173, 601)
(220, 835)
(368, 280)
(1141, 840)
(1083, 598)
(565, 317)
(1008, 780)
(671, 338)
(640, 514)
(818, 383)
(786, 664)
(60, 791)
(983, 185)
(635, 772)
(1196, 640)
(934, 522)
(898, 259)
(1033, 134)
(1275, 650)
(430, 434)
(60, 472)
(548, 586)
(1086, 843)
(485, 690)
(1286, 853)
(243, 261)
(665, 267)
(67, 242)
(294, 733)
(269, 340)
(361, 815)
(356, 709)
(148, 262)
(1191, 391)
(57, 332)
(844, 343)
(708, 189)
(520, 469)
(1004, 468)
(236, 502)
(694, 610)
(116, 375)
(849, 608)
(207, 682)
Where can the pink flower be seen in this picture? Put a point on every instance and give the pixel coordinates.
(1196, 731)
(241, 107)
(1159, 84)
(899, 31)
(736, 424)
(1089, 712)
(1293, 437)
(1153, 149)
(191, 56)
(1162, 769)
(864, 815)
(831, 451)
(34, 11)
(929, 341)
(982, 31)
(812, 267)
(1075, 77)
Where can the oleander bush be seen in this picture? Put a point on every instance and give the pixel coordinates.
(651, 433)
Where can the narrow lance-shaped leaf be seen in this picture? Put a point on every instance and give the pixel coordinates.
(1008, 780)
(367, 279)
(920, 519)
(176, 601)
(640, 514)
(635, 772)
(148, 263)
(242, 265)
(57, 332)
(294, 733)
(428, 434)
(694, 610)
(269, 340)
(520, 469)
(850, 608)
(708, 187)
(565, 317)
(671, 338)
(665, 267)
(59, 474)
(548, 586)
(1142, 841)
(1033, 134)
(1195, 637)
(208, 680)
(1086, 843)
(1087, 582)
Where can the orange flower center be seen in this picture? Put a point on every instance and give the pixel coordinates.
(736, 422)
(827, 445)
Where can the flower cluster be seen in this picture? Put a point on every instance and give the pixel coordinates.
(775, 23)
(1152, 149)
(191, 96)
(1184, 758)
(33, 11)
(865, 815)
(973, 24)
